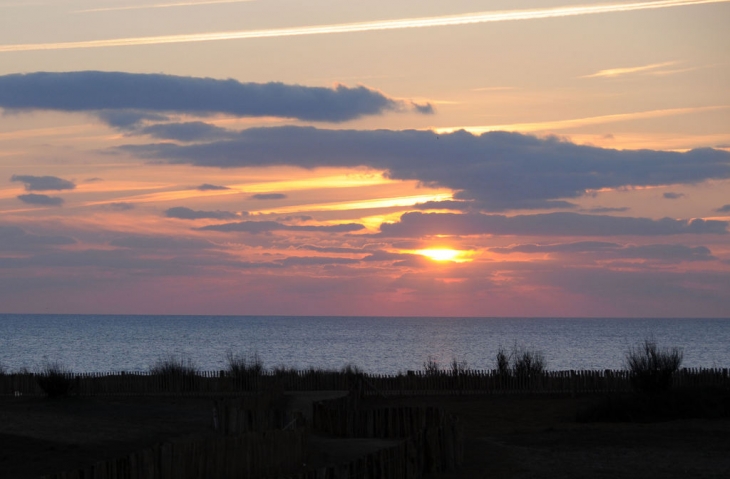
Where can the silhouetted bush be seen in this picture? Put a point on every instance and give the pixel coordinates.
(520, 362)
(351, 370)
(651, 368)
(174, 366)
(431, 367)
(54, 379)
(502, 362)
(241, 365)
(458, 367)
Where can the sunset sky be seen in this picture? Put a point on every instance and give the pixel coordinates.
(333, 157)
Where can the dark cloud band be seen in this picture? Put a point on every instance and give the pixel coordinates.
(418, 224)
(128, 94)
(43, 183)
(495, 171)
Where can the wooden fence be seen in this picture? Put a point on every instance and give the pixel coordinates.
(257, 455)
(254, 413)
(398, 462)
(434, 436)
(219, 384)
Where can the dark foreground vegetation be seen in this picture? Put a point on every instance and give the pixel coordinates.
(652, 419)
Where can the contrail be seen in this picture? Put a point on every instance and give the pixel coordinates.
(160, 5)
(445, 20)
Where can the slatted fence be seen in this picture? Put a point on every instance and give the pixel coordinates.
(256, 455)
(220, 384)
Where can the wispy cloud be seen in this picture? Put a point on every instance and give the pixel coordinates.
(616, 72)
(580, 122)
(423, 22)
(160, 5)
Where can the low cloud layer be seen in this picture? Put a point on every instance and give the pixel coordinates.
(13, 238)
(268, 196)
(269, 226)
(209, 187)
(43, 183)
(41, 200)
(494, 171)
(125, 99)
(659, 252)
(416, 224)
(183, 213)
(672, 195)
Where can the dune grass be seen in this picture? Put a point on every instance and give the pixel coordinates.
(54, 379)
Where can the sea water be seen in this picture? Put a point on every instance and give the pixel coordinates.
(384, 345)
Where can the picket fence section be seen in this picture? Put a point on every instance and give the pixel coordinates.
(436, 436)
(221, 384)
(268, 454)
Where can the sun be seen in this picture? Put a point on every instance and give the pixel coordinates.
(445, 254)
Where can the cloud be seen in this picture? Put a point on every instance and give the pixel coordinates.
(41, 200)
(13, 237)
(673, 196)
(659, 252)
(577, 247)
(160, 242)
(496, 171)
(315, 261)
(616, 72)
(417, 224)
(189, 131)
(723, 209)
(268, 196)
(255, 227)
(43, 183)
(124, 119)
(605, 209)
(378, 25)
(209, 187)
(125, 99)
(183, 213)
(120, 206)
(426, 109)
(445, 205)
(331, 249)
(296, 218)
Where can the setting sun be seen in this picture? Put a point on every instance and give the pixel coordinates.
(445, 254)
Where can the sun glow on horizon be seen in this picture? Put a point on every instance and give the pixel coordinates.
(445, 254)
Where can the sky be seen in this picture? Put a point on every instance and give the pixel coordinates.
(413, 158)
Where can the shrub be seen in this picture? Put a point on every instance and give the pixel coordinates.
(172, 365)
(651, 368)
(502, 362)
(431, 366)
(458, 367)
(241, 365)
(54, 379)
(520, 362)
(350, 369)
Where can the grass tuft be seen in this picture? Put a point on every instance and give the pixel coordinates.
(240, 365)
(172, 365)
(520, 362)
(54, 379)
(651, 368)
(431, 366)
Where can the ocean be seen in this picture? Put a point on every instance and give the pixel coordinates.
(383, 345)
